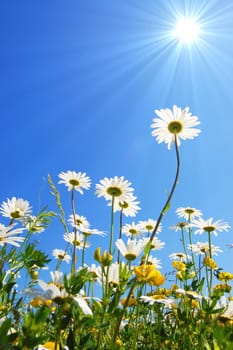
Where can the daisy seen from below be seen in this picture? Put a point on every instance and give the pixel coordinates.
(15, 208)
(154, 261)
(61, 255)
(132, 249)
(129, 207)
(132, 229)
(175, 123)
(115, 187)
(7, 235)
(79, 221)
(201, 226)
(188, 213)
(149, 226)
(179, 256)
(156, 244)
(75, 181)
(77, 239)
(202, 248)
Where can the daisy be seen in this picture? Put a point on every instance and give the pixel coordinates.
(15, 208)
(93, 231)
(79, 221)
(129, 207)
(157, 244)
(33, 224)
(149, 225)
(167, 302)
(132, 229)
(53, 292)
(60, 254)
(75, 181)
(176, 122)
(201, 248)
(188, 213)
(77, 239)
(132, 249)
(179, 256)
(116, 187)
(179, 226)
(209, 226)
(154, 261)
(7, 235)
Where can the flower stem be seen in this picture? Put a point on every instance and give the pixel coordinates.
(74, 258)
(163, 211)
(112, 226)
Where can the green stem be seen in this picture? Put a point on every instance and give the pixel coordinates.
(120, 234)
(74, 258)
(163, 211)
(112, 226)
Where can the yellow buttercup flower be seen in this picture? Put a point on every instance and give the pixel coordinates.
(210, 262)
(225, 276)
(147, 273)
(50, 345)
(179, 265)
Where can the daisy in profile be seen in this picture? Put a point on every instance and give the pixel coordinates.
(176, 122)
(129, 207)
(79, 221)
(116, 187)
(156, 244)
(179, 256)
(132, 249)
(75, 181)
(77, 239)
(15, 208)
(188, 213)
(201, 226)
(154, 261)
(132, 229)
(149, 226)
(9, 236)
(61, 255)
(203, 248)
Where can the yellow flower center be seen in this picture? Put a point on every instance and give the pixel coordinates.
(130, 256)
(175, 127)
(133, 231)
(149, 227)
(209, 228)
(16, 214)
(114, 191)
(74, 182)
(189, 211)
(123, 205)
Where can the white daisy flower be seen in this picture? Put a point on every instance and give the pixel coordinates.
(15, 208)
(203, 248)
(75, 181)
(60, 254)
(51, 292)
(167, 302)
(209, 226)
(76, 239)
(79, 221)
(179, 256)
(132, 249)
(132, 229)
(93, 231)
(128, 208)
(116, 187)
(179, 226)
(154, 261)
(157, 244)
(188, 213)
(7, 235)
(149, 225)
(34, 224)
(174, 122)
(57, 278)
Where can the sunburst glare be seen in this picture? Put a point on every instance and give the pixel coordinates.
(187, 30)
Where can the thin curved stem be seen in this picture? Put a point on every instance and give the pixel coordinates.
(74, 258)
(163, 211)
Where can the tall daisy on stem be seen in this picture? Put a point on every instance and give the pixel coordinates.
(75, 182)
(172, 126)
(110, 189)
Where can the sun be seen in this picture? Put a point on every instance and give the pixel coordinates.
(187, 30)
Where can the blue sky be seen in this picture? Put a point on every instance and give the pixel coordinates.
(80, 81)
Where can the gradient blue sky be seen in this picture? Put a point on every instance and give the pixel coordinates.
(80, 81)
